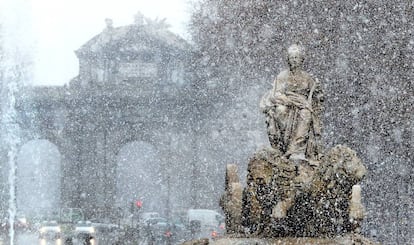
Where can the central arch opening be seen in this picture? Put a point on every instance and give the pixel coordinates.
(139, 177)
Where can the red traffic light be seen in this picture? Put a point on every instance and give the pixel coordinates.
(138, 204)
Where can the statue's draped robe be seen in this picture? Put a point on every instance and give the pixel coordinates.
(292, 110)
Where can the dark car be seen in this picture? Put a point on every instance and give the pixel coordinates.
(160, 231)
(89, 233)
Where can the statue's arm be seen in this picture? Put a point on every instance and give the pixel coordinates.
(289, 98)
(279, 90)
(278, 94)
(269, 100)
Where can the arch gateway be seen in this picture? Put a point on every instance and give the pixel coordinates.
(132, 86)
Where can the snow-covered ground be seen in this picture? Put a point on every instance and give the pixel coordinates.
(23, 239)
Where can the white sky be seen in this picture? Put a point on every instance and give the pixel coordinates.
(62, 26)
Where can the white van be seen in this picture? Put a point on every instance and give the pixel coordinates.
(205, 223)
(149, 215)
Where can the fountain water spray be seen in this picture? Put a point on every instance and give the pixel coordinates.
(10, 132)
(13, 65)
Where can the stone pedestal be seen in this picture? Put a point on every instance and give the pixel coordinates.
(341, 240)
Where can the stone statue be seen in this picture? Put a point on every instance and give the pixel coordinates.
(295, 192)
(293, 110)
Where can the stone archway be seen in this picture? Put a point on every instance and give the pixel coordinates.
(139, 176)
(38, 178)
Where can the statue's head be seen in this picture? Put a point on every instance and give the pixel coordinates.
(296, 56)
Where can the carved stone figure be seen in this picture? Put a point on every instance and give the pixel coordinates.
(293, 189)
(292, 110)
(231, 201)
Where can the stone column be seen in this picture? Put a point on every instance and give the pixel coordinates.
(69, 166)
(110, 173)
